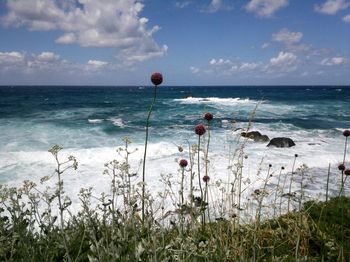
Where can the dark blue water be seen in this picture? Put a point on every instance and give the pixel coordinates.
(314, 107)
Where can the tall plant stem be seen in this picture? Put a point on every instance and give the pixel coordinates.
(199, 181)
(290, 184)
(182, 200)
(59, 195)
(277, 189)
(199, 170)
(329, 171)
(342, 172)
(207, 151)
(145, 153)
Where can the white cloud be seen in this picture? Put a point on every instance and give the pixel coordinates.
(248, 66)
(48, 62)
(48, 57)
(90, 23)
(97, 63)
(283, 58)
(334, 61)
(287, 37)
(284, 62)
(220, 61)
(331, 7)
(8, 58)
(265, 8)
(346, 18)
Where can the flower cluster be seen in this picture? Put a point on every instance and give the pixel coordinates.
(156, 78)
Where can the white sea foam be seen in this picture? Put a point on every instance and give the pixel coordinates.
(95, 121)
(215, 100)
(117, 121)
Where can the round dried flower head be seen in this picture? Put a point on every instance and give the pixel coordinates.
(270, 165)
(341, 167)
(183, 163)
(296, 155)
(346, 133)
(282, 167)
(156, 78)
(257, 191)
(208, 116)
(347, 172)
(180, 148)
(200, 129)
(206, 179)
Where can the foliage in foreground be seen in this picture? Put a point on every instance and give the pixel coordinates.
(321, 230)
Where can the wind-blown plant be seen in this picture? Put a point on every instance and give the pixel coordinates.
(156, 79)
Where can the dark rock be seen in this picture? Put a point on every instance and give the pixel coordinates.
(256, 136)
(263, 138)
(281, 142)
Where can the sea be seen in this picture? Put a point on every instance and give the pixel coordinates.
(90, 122)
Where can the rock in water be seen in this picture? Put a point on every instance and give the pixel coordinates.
(256, 136)
(281, 142)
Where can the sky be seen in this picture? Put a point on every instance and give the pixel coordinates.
(191, 42)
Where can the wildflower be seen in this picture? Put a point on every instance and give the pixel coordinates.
(208, 116)
(206, 179)
(157, 78)
(183, 163)
(180, 148)
(341, 167)
(346, 133)
(270, 165)
(200, 129)
(296, 155)
(347, 172)
(282, 167)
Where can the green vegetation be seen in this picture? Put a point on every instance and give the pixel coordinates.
(321, 231)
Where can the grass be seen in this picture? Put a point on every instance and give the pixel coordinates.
(317, 233)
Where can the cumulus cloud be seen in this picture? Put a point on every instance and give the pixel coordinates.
(331, 7)
(9, 58)
(48, 57)
(93, 23)
(334, 61)
(346, 18)
(229, 67)
(97, 63)
(248, 66)
(283, 58)
(265, 8)
(220, 61)
(47, 62)
(287, 37)
(284, 62)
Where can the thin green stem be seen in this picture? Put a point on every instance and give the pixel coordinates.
(199, 182)
(145, 152)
